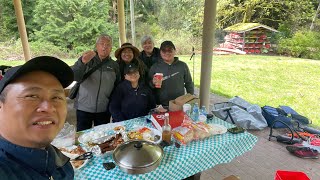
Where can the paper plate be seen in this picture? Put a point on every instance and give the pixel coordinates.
(147, 136)
(72, 156)
(218, 129)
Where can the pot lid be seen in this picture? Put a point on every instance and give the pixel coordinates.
(137, 154)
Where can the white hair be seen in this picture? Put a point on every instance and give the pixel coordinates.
(145, 38)
(103, 36)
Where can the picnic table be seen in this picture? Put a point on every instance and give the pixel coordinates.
(177, 163)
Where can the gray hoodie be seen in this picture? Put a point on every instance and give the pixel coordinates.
(176, 79)
(95, 91)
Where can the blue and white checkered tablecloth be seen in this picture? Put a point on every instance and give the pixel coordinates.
(178, 163)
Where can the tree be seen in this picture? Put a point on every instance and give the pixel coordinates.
(295, 13)
(72, 24)
(8, 20)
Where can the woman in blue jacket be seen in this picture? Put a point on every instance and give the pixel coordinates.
(131, 98)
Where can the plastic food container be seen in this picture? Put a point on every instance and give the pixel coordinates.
(290, 175)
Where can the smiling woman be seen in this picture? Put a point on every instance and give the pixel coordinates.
(126, 54)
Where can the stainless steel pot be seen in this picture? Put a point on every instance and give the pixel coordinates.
(138, 157)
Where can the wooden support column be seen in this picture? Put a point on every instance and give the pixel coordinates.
(22, 29)
(121, 22)
(207, 48)
(133, 26)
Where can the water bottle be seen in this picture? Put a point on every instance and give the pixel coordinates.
(203, 110)
(195, 112)
(203, 114)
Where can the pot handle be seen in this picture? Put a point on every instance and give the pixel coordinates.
(138, 145)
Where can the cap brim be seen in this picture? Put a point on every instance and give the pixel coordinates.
(49, 64)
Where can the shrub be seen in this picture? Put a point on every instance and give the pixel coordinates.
(184, 41)
(12, 50)
(303, 44)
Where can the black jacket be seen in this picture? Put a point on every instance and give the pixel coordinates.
(128, 102)
(150, 60)
(17, 162)
(176, 79)
(143, 70)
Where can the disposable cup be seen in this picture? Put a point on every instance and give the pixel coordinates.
(159, 77)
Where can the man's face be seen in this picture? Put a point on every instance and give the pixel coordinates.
(148, 46)
(34, 110)
(168, 54)
(127, 55)
(104, 47)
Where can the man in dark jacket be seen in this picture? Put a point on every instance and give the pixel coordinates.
(33, 109)
(131, 98)
(93, 97)
(150, 54)
(176, 75)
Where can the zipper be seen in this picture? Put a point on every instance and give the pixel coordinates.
(99, 89)
(47, 159)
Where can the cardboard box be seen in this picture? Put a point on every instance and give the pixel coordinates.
(176, 104)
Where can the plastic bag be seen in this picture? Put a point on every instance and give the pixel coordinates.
(183, 134)
(202, 130)
(66, 136)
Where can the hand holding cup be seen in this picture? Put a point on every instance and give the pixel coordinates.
(157, 80)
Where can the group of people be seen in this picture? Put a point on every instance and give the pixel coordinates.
(33, 104)
(125, 88)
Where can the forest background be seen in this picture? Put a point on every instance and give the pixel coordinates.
(67, 27)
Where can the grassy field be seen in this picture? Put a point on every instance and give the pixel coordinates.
(262, 80)
(266, 80)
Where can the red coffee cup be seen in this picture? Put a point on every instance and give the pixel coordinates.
(159, 77)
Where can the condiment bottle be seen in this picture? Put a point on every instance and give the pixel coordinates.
(166, 129)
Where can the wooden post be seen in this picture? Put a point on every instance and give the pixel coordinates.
(207, 48)
(22, 29)
(133, 26)
(121, 22)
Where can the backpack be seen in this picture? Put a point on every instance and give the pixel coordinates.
(271, 114)
(282, 113)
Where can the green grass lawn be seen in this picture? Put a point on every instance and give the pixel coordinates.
(266, 80)
(262, 80)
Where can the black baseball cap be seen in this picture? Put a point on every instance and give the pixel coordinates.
(49, 64)
(130, 68)
(167, 44)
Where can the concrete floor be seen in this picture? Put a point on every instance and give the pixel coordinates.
(261, 163)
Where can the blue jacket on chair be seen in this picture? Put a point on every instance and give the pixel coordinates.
(17, 162)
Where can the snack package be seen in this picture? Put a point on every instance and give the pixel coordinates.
(202, 130)
(183, 134)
